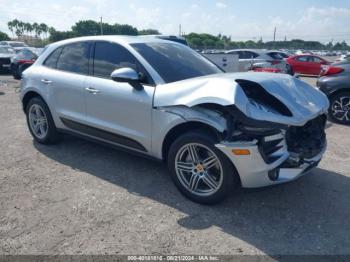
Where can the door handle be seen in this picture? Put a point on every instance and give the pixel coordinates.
(46, 82)
(92, 90)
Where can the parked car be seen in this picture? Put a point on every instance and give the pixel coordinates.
(163, 100)
(22, 60)
(334, 81)
(14, 44)
(6, 53)
(248, 57)
(306, 64)
(343, 57)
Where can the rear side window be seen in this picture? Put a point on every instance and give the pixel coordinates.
(75, 58)
(51, 61)
(276, 56)
(302, 59)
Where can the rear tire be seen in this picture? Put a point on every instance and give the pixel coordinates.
(207, 180)
(40, 122)
(339, 110)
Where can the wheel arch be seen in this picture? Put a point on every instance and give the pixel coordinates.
(183, 128)
(28, 96)
(339, 91)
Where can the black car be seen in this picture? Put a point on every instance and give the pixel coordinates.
(334, 81)
(22, 60)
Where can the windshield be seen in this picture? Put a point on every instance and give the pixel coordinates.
(175, 62)
(6, 50)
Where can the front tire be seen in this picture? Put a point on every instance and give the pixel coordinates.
(40, 122)
(199, 170)
(339, 110)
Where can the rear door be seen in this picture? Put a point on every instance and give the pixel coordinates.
(64, 75)
(316, 64)
(302, 65)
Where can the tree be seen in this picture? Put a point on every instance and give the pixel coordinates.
(11, 27)
(149, 32)
(44, 28)
(4, 36)
(86, 28)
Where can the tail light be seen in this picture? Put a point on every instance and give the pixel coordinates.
(25, 61)
(331, 70)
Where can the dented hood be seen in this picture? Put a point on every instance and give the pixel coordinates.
(304, 101)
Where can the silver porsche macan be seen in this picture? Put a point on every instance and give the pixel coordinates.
(161, 99)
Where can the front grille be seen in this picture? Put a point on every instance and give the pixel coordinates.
(309, 140)
(5, 61)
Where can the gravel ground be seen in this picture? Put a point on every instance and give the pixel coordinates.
(81, 198)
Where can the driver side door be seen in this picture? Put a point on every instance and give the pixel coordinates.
(117, 111)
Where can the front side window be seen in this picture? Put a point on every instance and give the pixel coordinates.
(75, 58)
(111, 56)
(250, 55)
(175, 62)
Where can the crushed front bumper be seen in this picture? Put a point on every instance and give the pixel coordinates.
(259, 169)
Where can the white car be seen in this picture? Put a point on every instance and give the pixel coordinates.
(264, 58)
(16, 45)
(163, 100)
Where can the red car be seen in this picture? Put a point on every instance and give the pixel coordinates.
(306, 64)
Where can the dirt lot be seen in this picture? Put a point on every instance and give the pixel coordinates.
(81, 198)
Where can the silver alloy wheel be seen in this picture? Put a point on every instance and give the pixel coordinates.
(199, 169)
(341, 108)
(38, 121)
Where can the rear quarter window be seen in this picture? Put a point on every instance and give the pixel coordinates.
(51, 60)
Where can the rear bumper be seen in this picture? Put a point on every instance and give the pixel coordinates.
(255, 171)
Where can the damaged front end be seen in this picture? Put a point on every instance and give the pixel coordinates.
(271, 126)
(277, 154)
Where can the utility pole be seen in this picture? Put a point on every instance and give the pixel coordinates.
(101, 25)
(274, 35)
(180, 30)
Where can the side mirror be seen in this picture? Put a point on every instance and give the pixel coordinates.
(126, 75)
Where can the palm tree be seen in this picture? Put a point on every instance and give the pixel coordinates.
(44, 28)
(10, 25)
(36, 29)
(28, 28)
(19, 28)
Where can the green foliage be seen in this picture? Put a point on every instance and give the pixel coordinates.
(149, 32)
(4, 36)
(206, 41)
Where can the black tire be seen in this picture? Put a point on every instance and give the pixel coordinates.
(230, 178)
(334, 103)
(290, 70)
(14, 71)
(52, 136)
